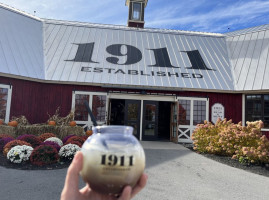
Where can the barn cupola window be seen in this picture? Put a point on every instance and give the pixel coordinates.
(136, 13)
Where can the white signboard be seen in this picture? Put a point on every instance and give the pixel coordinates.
(217, 111)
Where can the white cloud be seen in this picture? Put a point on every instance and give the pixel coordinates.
(215, 20)
(202, 15)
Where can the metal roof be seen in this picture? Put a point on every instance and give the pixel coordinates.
(120, 56)
(176, 69)
(21, 44)
(248, 30)
(249, 55)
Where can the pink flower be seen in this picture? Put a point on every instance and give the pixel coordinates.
(234, 157)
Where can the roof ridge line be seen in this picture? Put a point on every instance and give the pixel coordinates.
(130, 28)
(247, 30)
(15, 10)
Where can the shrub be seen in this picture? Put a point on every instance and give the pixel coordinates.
(53, 144)
(68, 151)
(44, 155)
(45, 136)
(225, 138)
(5, 135)
(13, 143)
(56, 140)
(19, 154)
(75, 140)
(31, 139)
(4, 141)
(85, 137)
(67, 137)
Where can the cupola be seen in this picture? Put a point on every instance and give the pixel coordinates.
(136, 13)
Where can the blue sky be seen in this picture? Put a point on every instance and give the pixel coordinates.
(191, 15)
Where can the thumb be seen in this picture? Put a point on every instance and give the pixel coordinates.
(72, 177)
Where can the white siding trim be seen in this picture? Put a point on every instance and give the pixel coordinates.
(142, 97)
(91, 94)
(9, 94)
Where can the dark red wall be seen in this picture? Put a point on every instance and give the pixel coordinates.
(232, 103)
(36, 100)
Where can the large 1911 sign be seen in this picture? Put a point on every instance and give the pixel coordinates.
(133, 55)
(217, 111)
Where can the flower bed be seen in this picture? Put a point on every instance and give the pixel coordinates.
(50, 154)
(68, 151)
(19, 154)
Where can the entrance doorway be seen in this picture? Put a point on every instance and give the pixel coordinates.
(126, 112)
(155, 115)
(150, 120)
(132, 115)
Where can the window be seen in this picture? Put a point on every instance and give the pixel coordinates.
(257, 108)
(199, 112)
(5, 99)
(99, 107)
(97, 103)
(136, 11)
(184, 112)
(81, 113)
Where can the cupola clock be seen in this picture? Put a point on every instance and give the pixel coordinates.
(136, 12)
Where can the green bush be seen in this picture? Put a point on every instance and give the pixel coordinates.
(247, 144)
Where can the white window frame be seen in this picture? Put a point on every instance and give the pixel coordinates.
(9, 94)
(91, 94)
(191, 127)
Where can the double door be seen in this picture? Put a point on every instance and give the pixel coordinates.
(148, 120)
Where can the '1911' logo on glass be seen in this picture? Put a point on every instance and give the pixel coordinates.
(113, 160)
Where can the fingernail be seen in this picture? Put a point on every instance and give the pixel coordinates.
(146, 176)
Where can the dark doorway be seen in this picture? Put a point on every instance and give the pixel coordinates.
(132, 115)
(164, 120)
(150, 120)
(126, 112)
(117, 107)
(156, 117)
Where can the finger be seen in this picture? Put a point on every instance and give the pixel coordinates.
(140, 185)
(72, 177)
(126, 193)
(84, 189)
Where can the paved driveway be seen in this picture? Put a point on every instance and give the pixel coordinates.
(174, 172)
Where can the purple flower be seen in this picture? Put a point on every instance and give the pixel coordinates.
(53, 144)
(67, 137)
(4, 141)
(25, 135)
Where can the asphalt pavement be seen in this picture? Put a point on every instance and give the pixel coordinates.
(174, 172)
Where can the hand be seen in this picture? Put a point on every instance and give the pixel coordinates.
(71, 191)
